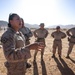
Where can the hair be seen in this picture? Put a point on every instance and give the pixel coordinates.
(11, 16)
(22, 21)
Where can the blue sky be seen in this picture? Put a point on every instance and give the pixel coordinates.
(51, 12)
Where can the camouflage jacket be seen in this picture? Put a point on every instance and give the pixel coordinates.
(14, 46)
(58, 35)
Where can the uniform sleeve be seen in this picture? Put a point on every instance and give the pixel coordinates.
(35, 33)
(30, 33)
(68, 32)
(52, 34)
(12, 54)
(46, 34)
(63, 35)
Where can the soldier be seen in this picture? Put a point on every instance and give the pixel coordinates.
(57, 35)
(27, 34)
(40, 35)
(71, 39)
(14, 47)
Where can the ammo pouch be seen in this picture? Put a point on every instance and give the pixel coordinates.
(17, 67)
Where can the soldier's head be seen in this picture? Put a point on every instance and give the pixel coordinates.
(41, 25)
(58, 28)
(14, 21)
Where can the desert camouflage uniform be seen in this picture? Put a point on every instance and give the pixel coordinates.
(15, 52)
(71, 39)
(27, 33)
(57, 41)
(40, 35)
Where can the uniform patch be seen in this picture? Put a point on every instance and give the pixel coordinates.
(4, 40)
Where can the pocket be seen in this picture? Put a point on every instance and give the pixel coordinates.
(6, 64)
(21, 67)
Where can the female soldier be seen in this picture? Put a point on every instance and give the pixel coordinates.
(14, 47)
(27, 34)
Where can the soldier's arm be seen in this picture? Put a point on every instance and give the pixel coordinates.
(11, 53)
(68, 32)
(63, 35)
(52, 34)
(30, 33)
(46, 34)
(35, 35)
(35, 45)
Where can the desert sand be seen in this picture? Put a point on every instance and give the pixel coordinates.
(49, 66)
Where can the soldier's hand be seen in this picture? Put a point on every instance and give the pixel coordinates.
(41, 46)
(36, 46)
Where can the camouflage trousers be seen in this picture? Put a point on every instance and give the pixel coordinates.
(18, 68)
(57, 44)
(36, 51)
(70, 47)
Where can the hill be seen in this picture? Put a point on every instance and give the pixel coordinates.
(63, 26)
(4, 24)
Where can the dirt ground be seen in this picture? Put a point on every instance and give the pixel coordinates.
(49, 66)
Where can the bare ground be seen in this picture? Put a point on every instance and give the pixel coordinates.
(48, 66)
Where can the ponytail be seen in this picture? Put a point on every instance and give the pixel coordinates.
(9, 25)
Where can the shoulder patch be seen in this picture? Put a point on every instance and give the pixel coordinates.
(4, 40)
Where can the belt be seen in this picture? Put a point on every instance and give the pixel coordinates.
(57, 40)
(40, 38)
(72, 36)
(22, 60)
(72, 42)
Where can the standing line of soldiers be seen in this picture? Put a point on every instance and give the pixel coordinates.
(41, 33)
(58, 35)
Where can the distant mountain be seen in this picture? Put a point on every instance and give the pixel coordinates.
(31, 26)
(63, 26)
(4, 24)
